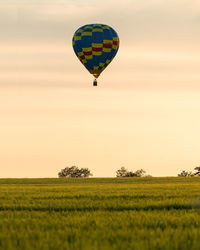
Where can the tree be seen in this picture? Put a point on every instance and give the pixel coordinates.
(197, 171)
(185, 174)
(85, 172)
(123, 172)
(140, 173)
(74, 172)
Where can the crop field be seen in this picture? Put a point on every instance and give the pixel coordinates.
(100, 213)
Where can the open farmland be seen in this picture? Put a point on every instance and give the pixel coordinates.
(100, 213)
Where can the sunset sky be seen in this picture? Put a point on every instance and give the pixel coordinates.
(145, 113)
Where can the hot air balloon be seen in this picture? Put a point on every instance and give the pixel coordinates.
(95, 45)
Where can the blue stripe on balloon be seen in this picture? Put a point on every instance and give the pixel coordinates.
(97, 37)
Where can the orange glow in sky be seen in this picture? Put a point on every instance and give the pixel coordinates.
(145, 111)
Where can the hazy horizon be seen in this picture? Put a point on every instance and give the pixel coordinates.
(145, 111)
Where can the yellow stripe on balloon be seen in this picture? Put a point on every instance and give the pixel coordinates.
(77, 38)
(97, 30)
(80, 53)
(101, 64)
(88, 57)
(97, 45)
(108, 41)
(96, 53)
(88, 27)
(115, 47)
(105, 27)
(115, 39)
(106, 49)
(87, 49)
(87, 33)
(84, 61)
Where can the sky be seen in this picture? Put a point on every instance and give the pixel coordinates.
(145, 111)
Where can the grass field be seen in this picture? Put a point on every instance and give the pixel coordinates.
(100, 213)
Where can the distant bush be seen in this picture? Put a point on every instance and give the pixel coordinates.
(189, 173)
(123, 172)
(197, 169)
(185, 173)
(74, 172)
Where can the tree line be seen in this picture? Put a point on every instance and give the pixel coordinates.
(76, 172)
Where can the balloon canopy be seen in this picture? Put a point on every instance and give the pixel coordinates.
(95, 45)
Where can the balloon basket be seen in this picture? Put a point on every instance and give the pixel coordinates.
(95, 82)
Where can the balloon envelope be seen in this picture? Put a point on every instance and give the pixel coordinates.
(95, 46)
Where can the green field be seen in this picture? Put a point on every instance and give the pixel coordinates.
(100, 213)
